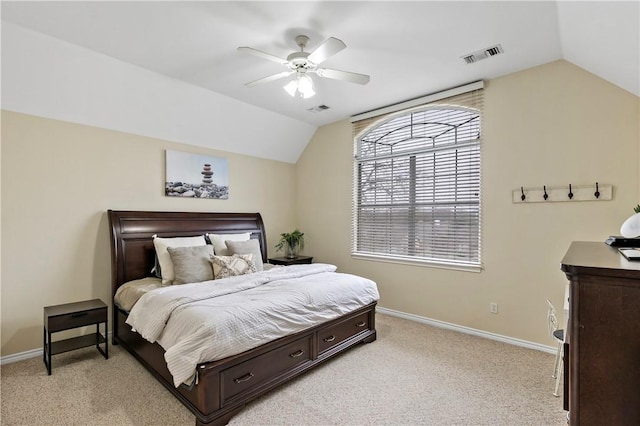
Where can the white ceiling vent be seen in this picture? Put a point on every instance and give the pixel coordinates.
(319, 108)
(483, 54)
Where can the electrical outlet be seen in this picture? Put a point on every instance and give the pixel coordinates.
(493, 307)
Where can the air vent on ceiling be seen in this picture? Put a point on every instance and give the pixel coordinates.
(319, 108)
(483, 54)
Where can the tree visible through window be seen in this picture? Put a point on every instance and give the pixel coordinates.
(417, 186)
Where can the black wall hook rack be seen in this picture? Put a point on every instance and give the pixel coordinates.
(567, 193)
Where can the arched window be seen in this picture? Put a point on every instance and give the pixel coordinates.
(417, 187)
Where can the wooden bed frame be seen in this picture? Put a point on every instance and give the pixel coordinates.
(224, 386)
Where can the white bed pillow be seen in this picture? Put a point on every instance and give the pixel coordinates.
(246, 247)
(219, 247)
(161, 245)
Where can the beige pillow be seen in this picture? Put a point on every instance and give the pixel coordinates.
(161, 245)
(247, 247)
(230, 266)
(219, 247)
(191, 264)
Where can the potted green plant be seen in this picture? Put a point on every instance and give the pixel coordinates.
(292, 243)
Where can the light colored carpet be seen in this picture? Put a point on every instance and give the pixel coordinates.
(413, 374)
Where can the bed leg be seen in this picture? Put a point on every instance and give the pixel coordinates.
(222, 420)
(370, 339)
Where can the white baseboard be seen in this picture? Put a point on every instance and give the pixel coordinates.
(8, 359)
(468, 330)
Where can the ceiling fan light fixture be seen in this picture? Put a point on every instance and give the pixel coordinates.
(303, 63)
(302, 86)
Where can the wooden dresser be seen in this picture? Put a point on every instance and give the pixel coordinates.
(603, 335)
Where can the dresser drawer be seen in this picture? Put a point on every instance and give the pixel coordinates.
(338, 333)
(76, 319)
(264, 368)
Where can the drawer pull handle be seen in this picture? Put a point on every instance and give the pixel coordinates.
(79, 314)
(243, 378)
(330, 338)
(361, 324)
(296, 354)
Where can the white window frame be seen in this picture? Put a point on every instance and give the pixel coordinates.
(387, 114)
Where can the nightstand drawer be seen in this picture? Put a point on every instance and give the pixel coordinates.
(77, 319)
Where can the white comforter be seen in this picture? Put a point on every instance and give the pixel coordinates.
(211, 320)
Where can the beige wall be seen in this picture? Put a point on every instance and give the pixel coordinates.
(551, 125)
(58, 180)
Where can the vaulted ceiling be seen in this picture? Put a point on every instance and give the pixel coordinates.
(409, 49)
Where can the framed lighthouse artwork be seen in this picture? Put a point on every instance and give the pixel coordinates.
(190, 175)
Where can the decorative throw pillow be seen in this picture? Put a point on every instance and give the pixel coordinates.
(161, 245)
(219, 247)
(229, 266)
(247, 247)
(191, 264)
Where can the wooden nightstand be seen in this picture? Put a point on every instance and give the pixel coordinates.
(74, 315)
(290, 261)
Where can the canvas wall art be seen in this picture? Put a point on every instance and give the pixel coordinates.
(196, 176)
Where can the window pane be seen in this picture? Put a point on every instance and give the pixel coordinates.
(420, 130)
(418, 186)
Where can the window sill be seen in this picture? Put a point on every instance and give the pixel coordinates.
(416, 262)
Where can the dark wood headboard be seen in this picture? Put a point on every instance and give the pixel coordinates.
(132, 251)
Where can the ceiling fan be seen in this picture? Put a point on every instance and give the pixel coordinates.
(304, 63)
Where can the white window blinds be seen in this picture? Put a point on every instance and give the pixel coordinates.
(417, 183)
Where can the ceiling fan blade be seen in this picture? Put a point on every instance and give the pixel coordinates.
(343, 75)
(328, 48)
(263, 55)
(270, 78)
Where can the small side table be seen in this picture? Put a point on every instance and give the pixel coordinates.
(290, 260)
(74, 315)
